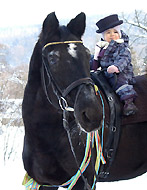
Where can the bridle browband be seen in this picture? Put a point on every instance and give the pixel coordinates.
(61, 94)
(65, 42)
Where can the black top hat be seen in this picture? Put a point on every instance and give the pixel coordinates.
(108, 22)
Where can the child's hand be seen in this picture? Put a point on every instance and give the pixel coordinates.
(112, 69)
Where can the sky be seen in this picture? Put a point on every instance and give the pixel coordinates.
(29, 12)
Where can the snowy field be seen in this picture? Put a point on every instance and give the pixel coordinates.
(12, 172)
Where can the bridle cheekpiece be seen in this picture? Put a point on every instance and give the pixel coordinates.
(61, 98)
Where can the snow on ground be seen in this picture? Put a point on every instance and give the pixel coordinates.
(12, 172)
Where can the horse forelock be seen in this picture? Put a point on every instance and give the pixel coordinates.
(64, 32)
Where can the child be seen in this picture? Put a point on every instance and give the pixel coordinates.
(112, 53)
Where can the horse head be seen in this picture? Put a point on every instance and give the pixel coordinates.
(66, 71)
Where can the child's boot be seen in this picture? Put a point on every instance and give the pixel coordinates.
(129, 107)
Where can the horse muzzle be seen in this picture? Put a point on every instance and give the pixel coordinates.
(88, 109)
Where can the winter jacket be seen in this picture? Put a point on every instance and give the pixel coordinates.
(116, 53)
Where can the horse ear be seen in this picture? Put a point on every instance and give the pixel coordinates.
(77, 25)
(50, 24)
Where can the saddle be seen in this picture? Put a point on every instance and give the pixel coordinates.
(113, 116)
(141, 103)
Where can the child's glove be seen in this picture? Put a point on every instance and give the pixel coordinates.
(112, 69)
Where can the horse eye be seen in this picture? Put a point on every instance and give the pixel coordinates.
(53, 57)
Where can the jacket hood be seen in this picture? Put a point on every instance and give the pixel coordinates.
(125, 38)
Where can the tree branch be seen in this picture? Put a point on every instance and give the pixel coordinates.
(137, 23)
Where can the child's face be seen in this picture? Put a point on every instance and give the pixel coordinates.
(111, 34)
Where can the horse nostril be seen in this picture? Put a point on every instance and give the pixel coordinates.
(90, 117)
(85, 117)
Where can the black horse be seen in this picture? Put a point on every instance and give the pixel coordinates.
(60, 91)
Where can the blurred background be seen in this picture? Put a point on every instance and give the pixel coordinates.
(20, 26)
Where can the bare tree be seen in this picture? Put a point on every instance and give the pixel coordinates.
(140, 20)
(12, 83)
(137, 23)
(136, 26)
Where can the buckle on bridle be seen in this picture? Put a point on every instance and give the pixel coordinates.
(63, 105)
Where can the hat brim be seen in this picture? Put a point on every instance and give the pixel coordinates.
(111, 25)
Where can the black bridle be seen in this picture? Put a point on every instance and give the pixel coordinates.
(114, 126)
(60, 94)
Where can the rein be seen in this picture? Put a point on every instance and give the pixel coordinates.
(113, 126)
(92, 142)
